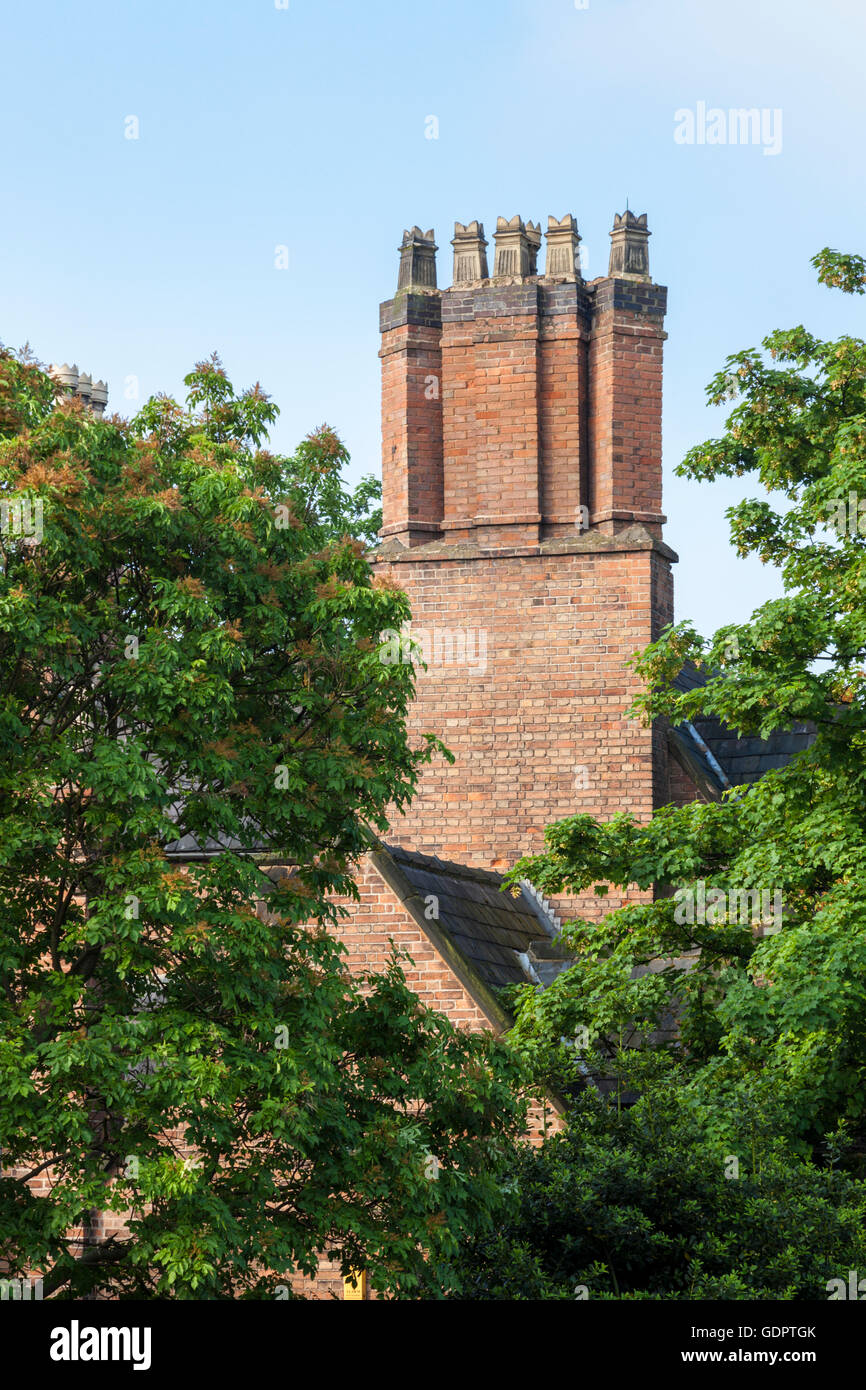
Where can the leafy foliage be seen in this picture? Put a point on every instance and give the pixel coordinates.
(191, 653)
(769, 1022)
(636, 1204)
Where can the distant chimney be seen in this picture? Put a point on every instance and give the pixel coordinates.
(629, 252)
(417, 261)
(75, 383)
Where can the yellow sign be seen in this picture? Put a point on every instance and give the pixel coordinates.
(355, 1286)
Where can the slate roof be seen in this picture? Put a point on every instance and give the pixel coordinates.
(504, 939)
(741, 760)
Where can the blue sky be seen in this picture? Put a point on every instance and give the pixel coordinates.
(306, 126)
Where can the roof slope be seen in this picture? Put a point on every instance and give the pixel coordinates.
(718, 750)
(505, 938)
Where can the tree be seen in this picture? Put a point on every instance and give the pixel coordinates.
(312, 479)
(772, 1024)
(189, 652)
(636, 1204)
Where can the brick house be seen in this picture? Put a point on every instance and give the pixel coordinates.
(522, 515)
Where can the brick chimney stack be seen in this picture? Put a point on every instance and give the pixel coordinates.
(519, 407)
(521, 429)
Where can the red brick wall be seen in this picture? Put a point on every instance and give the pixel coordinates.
(563, 420)
(541, 732)
(681, 788)
(459, 431)
(365, 934)
(490, 366)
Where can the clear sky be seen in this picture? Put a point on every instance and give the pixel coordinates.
(305, 124)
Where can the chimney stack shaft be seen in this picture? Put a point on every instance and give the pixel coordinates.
(521, 408)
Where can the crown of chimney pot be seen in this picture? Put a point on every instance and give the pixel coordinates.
(470, 253)
(629, 250)
(417, 261)
(85, 387)
(563, 248)
(65, 376)
(517, 246)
